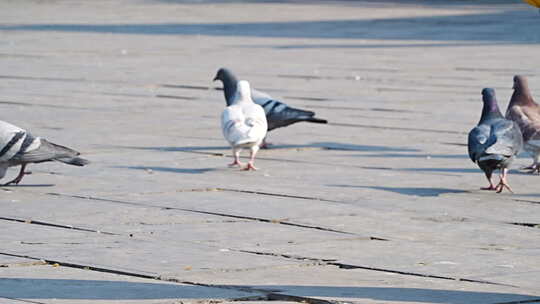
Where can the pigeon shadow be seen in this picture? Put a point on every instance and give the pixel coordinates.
(179, 149)
(480, 27)
(424, 156)
(322, 145)
(354, 147)
(64, 289)
(168, 169)
(447, 170)
(413, 191)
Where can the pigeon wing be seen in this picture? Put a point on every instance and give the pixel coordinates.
(11, 140)
(256, 119)
(478, 137)
(505, 138)
(243, 123)
(528, 120)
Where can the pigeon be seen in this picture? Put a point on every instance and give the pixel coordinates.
(526, 113)
(278, 114)
(19, 147)
(494, 142)
(244, 125)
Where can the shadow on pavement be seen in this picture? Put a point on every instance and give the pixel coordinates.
(121, 290)
(494, 27)
(414, 191)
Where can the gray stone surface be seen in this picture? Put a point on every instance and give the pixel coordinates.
(382, 205)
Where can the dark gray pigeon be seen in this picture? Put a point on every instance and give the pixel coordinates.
(19, 148)
(278, 114)
(494, 142)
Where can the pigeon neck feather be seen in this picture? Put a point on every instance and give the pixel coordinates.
(229, 87)
(490, 110)
(521, 96)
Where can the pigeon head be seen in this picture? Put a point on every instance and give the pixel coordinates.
(223, 74)
(229, 84)
(522, 94)
(488, 95)
(520, 83)
(490, 109)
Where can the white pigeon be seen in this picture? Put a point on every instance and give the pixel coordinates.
(244, 124)
(278, 114)
(19, 148)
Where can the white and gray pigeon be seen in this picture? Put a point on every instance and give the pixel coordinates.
(278, 114)
(244, 125)
(19, 148)
(494, 142)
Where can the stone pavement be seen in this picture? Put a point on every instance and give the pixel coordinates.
(382, 205)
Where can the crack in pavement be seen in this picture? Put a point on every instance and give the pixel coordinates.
(258, 219)
(267, 295)
(70, 227)
(333, 262)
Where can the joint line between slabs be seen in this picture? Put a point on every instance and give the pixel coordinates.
(264, 220)
(69, 227)
(349, 266)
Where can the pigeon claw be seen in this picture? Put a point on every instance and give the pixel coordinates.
(502, 184)
(16, 181)
(490, 188)
(249, 166)
(19, 177)
(235, 164)
(266, 145)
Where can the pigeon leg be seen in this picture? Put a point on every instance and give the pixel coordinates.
(19, 177)
(535, 166)
(236, 162)
(265, 145)
(491, 186)
(503, 183)
(250, 165)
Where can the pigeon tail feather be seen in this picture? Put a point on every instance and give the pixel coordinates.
(51, 151)
(317, 120)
